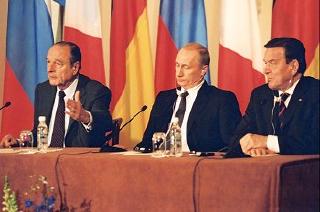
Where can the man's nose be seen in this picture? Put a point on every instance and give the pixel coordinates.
(50, 67)
(179, 71)
(266, 69)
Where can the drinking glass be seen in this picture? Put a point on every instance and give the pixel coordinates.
(159, 144)
(25, 139)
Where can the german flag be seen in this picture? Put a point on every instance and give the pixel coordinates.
(299, 19)
(131, 69)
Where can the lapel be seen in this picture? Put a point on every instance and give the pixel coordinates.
(49, 101)
(80, 87)
(267, 110)
(267, 103)
(295, 101)
(167, 108)
(198, 105)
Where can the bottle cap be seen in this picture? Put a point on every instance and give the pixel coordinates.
(175, 120)
(41, 118)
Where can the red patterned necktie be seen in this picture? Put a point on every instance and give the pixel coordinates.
(59, 122)
(282, 107)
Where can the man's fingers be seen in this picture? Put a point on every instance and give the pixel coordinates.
(245, 143)
(258, 152)
(77, 96)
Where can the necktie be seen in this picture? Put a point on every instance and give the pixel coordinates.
(278, 113)
(58, 128)
(182, 107)
(282, 107)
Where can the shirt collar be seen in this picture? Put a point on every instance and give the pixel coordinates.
(191, 91)
(291, 89)
(69, 91)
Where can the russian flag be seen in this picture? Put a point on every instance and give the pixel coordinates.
(180, 22)
(82, 25)
(240, 49)
(29, 36)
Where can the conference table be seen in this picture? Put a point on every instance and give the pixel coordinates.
(86, 180)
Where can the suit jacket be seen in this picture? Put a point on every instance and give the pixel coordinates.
(213, 117)
(94, 97)
(300, 131)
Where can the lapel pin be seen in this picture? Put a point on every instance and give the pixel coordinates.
(300, 100)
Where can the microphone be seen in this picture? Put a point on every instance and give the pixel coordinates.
(106, 148)
(276, 97)
(7, 104)
(144, 107)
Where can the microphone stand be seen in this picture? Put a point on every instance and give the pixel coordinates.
(106, 148)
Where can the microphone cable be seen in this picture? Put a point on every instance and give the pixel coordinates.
(63, 204)
(195, 179)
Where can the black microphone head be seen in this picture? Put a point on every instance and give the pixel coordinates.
(275, 93)
(7, 104)
(144, 107)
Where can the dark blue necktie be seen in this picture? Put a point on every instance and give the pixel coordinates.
(182, 107)
(59, 122)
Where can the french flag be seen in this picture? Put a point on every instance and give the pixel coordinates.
(82, 25)
(29, 36)
(240, 49)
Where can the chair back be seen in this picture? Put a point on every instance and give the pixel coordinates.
(116, 130)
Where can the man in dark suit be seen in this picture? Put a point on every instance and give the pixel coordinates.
(272, 123)
(85, 102)
(210, 115)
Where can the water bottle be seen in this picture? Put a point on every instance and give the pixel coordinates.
(42, 134)
(175, 138)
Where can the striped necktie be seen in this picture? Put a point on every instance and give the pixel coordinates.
(59, 122)
(282, 107)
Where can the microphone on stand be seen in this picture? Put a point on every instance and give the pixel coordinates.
(7, 104)
(144, 107)
(106, 148)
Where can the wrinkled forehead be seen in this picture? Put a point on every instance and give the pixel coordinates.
(59, 52)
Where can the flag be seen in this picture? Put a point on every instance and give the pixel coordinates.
(131, 75)
(82, 25)
(301, 21)
(240, 49)
(29, 36)
(180, 22)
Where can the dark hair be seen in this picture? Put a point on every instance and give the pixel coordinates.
(203, 52)
(293, 49)
(74, 51)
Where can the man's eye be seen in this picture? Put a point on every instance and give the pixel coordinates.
(59, 65)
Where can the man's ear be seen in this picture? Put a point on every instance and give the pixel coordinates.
(294, 66)
(204, 70)
(76, 67)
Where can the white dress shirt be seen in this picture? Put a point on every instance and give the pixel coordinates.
(70, 91)
(272, 140)
(193, 92)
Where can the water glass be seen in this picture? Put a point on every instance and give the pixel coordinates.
(159, 144)
(25, 139)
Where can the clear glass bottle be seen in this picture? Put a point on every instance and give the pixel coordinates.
(42, 134)
(175, 138)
